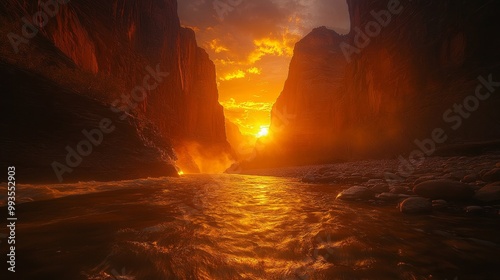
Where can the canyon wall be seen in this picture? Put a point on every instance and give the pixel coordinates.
(390, 81)
(132, 56)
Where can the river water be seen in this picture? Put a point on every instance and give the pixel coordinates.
(238, 227)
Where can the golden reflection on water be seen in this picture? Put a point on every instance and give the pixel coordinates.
(250, 227)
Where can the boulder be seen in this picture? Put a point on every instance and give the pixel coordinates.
(470, 178)
(444, 189)
(380, 188)
(474, 210)
(399, 190)
(439, 204)
(492, 175)
(423, 179)
(489, 193)
(415, 205)
(391, 196)
(354, 193)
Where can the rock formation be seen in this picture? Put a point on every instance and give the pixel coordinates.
(130, 55)
(392, 80)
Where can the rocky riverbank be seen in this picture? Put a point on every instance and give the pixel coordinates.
(467, 185)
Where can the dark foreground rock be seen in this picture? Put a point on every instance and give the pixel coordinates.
(444, 189)
(489, 193)
(492, 175)
(52, 126)
(415, 205)
(356, 192)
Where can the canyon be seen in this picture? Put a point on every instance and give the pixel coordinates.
(405, 69)
(102, 54)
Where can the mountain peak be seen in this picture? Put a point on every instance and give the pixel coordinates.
(320, 38)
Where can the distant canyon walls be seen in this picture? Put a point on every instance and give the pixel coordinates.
(114, 52)
(405, 69)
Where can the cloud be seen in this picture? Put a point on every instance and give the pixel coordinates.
(254, 70)
(217, 47)
(231, 104)
(278, 46)
(231, 76)
(250, 116)
(252, 44)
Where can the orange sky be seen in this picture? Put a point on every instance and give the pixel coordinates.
(251, 43)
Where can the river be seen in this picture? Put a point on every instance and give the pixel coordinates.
(238, 227)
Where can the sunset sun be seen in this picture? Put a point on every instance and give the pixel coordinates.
(263, 132)
(250, 139)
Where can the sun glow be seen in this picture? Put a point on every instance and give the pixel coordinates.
(180, 172)
(264, 131)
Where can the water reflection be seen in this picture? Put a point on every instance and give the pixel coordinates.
(244, 227)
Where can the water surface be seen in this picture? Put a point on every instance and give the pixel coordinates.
(239, 227)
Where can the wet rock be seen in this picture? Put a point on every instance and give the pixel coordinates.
(400, 190)
(376, 176)
(423, 179)
(355, 179)
(415, 205)
(423, 171)
(375, 181)
(489, 193)
(323, 170)
(444, 189)
(326, 179)
(474, 210)
(391, 196)
(309, 178)
(470, 178)
(356, 192)
(439, 204)
(483, 242)
(492, 175)
(380, 188)
(457, 175)
(483, 172)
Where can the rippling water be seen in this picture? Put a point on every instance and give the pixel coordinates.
(239, 227)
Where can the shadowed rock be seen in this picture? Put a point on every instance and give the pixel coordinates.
(356, 192)
(444, 189)
(416, 205)
(489, 193)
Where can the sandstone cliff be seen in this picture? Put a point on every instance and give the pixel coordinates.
(357, 97)
(110, 50)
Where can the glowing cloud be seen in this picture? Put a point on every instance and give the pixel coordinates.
(251, 47)
(231, 76)
(250, 116)
(274, 46)
(254, 70)
(247, 105)
(216, 46)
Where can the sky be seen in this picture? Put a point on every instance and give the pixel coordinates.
(251, 43)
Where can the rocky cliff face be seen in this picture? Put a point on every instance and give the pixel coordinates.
(131, 54)
(391, 80)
